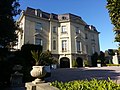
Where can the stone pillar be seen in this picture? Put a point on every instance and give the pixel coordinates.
(17, 77)
(40, 86)
(30, 86)
(115, 59)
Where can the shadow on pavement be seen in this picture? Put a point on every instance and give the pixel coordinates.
(70, 74)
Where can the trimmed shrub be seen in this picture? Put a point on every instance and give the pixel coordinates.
(86, 63)
(93, 84)
(112, 64)
(26, 52)
(94, 59)
(74, 63)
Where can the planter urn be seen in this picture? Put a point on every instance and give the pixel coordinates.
(98, 64)
(38, 72)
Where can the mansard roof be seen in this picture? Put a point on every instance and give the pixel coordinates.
(46, 15)
(61, 17)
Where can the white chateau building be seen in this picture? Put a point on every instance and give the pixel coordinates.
(67, 36)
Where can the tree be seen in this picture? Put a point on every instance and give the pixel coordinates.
(8, 9)
(113, 7)
(102, 57)
(94, 59)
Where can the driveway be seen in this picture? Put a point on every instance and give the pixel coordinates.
(70, 74)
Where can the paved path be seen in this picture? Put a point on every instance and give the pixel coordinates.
(70, 74)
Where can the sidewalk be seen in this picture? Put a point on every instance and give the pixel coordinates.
(70, 74)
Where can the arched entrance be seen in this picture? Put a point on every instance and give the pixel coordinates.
(79, 61)
(64, 62)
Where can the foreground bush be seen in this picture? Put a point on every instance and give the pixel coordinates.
(93, 84)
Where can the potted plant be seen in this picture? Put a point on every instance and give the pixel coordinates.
(38, 70)
(98, 63)
(47, 60)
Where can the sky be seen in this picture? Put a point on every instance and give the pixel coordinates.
(93, 12)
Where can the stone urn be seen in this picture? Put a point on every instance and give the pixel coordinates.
(38, 72)
(98, 63)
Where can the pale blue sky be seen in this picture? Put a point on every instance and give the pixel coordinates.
(93, 12)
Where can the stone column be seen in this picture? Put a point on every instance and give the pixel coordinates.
(115, 59)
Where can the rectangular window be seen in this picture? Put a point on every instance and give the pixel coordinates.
(54, 45)
(78, 46)
(92, 38)
(77, 30)
(86, 37)
(86, 48)
(64, 45)
(93, 49)
(64, 30)
(38, 41)
(54, 29)
(38, 26)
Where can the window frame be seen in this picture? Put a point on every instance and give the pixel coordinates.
(54, 29)
(54, 44)
(78, 46)
(93, 49)
(64, 29)
(38, 41)
(77, 30)
(38, 26)
(64, 45)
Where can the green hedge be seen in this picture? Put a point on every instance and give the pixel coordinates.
(93, 84)
(112, 64)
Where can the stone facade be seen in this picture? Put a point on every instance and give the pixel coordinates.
(65, 35)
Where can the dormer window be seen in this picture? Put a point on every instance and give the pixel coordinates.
(38, 13)
(63, 17)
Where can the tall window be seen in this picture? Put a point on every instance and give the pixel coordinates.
(77, 30)
(86, 48)
(64, 30)
(86, 36)
(54, 45)
(93, 49)
(54, 29)
(78, 46)
(38, 41)
(64, 45)
(38, 26)
(92, 38)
